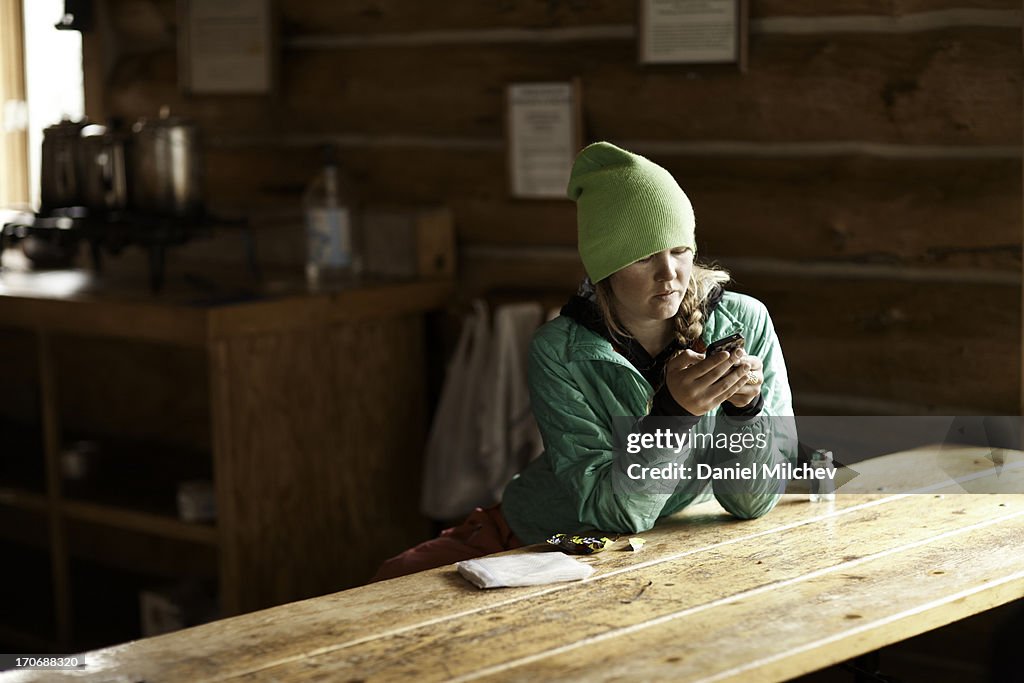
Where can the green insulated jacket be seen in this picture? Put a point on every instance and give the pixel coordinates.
(580, 386)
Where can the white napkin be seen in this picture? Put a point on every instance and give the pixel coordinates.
(525, 569)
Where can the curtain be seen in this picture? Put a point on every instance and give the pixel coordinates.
(13, 110)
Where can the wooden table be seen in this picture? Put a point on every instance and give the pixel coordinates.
(708, 599)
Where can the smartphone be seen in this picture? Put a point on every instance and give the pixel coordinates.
(730, 344)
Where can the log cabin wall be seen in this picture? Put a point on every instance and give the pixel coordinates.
(862, 178)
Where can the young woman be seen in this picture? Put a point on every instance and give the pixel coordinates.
(626, 357)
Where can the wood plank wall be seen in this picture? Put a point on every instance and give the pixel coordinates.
(863, 178)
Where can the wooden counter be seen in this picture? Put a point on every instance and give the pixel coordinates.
(307, 409)
(78, 302)
(708, 599)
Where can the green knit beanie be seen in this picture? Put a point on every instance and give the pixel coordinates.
(627, 208)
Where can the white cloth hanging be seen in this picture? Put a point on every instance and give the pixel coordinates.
(509, 438)
(455, 432)
(483, 431)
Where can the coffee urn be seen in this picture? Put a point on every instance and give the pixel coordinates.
(167, 167)
(104, 164)
(60, 181)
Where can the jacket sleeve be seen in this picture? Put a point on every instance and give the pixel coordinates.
(768, 438)
(580, 446)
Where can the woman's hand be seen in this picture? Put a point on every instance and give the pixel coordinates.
(700, 384)
(747, 393)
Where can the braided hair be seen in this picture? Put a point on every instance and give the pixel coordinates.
(689, 320)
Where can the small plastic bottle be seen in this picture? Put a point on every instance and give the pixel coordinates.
(332, 248)
(822, 490)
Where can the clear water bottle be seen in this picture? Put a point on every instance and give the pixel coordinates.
(332, 247)
(822, 490)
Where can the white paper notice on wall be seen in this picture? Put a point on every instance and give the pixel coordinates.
(543, 137)
(226, 46)
(689, 31)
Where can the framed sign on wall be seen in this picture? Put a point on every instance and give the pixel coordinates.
(543, 135)
(693, 32)
(225, 46)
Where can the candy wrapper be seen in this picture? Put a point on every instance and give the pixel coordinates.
(635, 544)
(580, 545)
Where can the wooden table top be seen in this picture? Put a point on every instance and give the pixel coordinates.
(708, 598)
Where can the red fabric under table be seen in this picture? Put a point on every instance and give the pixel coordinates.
(484, 532)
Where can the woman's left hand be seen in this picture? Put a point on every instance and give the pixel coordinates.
(749, 391)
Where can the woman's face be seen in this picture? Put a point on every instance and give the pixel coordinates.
(651, 289)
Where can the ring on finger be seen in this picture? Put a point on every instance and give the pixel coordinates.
(753, 379)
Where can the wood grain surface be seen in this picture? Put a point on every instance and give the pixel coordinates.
(863, 131)
(395, 16)
(928, 343)
(179, 317)
(740, 202)
(328, 455)
(951, 86)
(709, 598)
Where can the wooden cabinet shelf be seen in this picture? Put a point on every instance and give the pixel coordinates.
(142, 551)
(284, 401)
(24, 500)
(132, 475)
(19, 481)
(131, 520)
